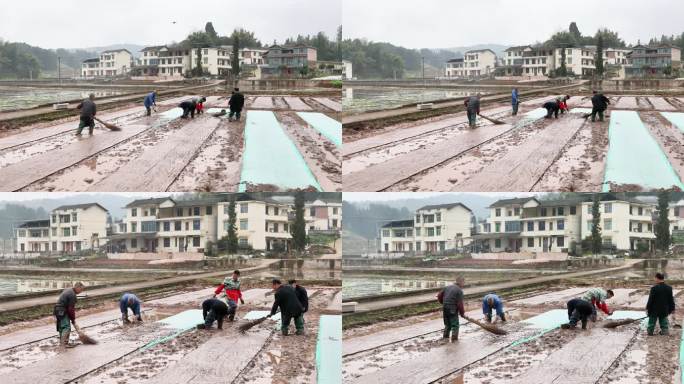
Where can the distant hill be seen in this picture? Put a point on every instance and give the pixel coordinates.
(497, 48)
(133, 48)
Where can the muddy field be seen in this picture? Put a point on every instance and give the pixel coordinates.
(138, 352)
(534, 347)
(524, 152)
(201, 154)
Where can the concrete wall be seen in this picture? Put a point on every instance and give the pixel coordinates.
(156, 256)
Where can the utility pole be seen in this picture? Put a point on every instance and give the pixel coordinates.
(423, 58)
(59, 69)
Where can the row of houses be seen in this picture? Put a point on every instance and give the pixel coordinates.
(528, 225)
(167, 225)
(178, 60)
(541, 61)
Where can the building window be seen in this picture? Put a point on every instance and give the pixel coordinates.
(590, 225)
(641, 211)
(74, 216)
(438, 217)
(334, 223)
(560, 224)
(497, 212)
(243, 224)
(573, 210)
(334, 210)
(187, 225)
(196, 241)
(177, 225)
(385, 233)
(607, 224)
(22, 233)
(73, 231)
(134, 227)
(134, 212)
(497, 227)
(607, 208)
(530, 242)
(179, 212)
(561, 211)
(167, 226)
(497, 243)
(560, 241)
(516, 211)
(195, 211)
(543, 212)
(54, 218)
(209, 209)
(148, 226)
(196, 224)
(417, 218)
(542, 225)
(244, 208)
(134, 243)
(242, 241)
(430, 232)
(417, 231)
(438, 230)
(167, 242)
(417, 245)
(54, 231)
(54, 245)
(66, 232)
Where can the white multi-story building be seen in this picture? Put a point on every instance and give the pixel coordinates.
(435, 228)
(78, 227)
(33, 236)
(676, 216)
(262, 224)
(480, 62)
(323, 215)
(252, 56)
(397, 236)
(179, 60)
(111, 63)
(541, 226)
(455, 68)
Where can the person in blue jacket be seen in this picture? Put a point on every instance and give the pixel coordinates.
(129, 300)
(492, 301)
(515, 101)
(150, 100)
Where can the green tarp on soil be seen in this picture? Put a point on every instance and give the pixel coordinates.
(676, 118)
(270, 158)
(330, 128)
(329, 350)
(634, 156)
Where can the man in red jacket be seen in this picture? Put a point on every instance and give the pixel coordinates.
(233, 293)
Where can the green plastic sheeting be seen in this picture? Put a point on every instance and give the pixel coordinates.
(328, 127)
(622, 315)
(551, 319)
(270, 157)
(634, 157)
(182, 322)
(253, 315)
(329, 350)
(681, 358)
(676, 118)
(171, 114)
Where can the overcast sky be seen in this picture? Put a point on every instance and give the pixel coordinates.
(82, 23)
(387, 196)
(449, 23)
(26, 196)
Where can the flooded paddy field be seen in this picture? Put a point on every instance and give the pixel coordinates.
(12, 98)
(358, 99)
(527, 152)
(534, 348)
(207, 153)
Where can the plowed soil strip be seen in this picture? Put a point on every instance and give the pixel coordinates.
(159, 166)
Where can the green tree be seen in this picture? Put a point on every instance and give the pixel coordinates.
(662, 227)
(232, 241)
(562, 69)
(339, 43)
(599, 56)
(235, 59)
(211, 32)
(575, 32)
(298, 227)
(596, 240)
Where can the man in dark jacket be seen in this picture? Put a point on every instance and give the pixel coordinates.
(578, 310)
(189, 107)
(552, 107)
(290, 307)
(88, 111)
(302, 295)
(65, 311)
(472, 105)
(236, 103)
(599, 103)
(451, 298)
(660, 305)
(213, 310)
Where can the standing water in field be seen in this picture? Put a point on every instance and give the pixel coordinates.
(12, 98)
(363, 99)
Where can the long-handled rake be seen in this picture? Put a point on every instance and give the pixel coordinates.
(85, 339)
(251, 324)
(109, 126)
(616, 323)
(495, 121)
(487, 327)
